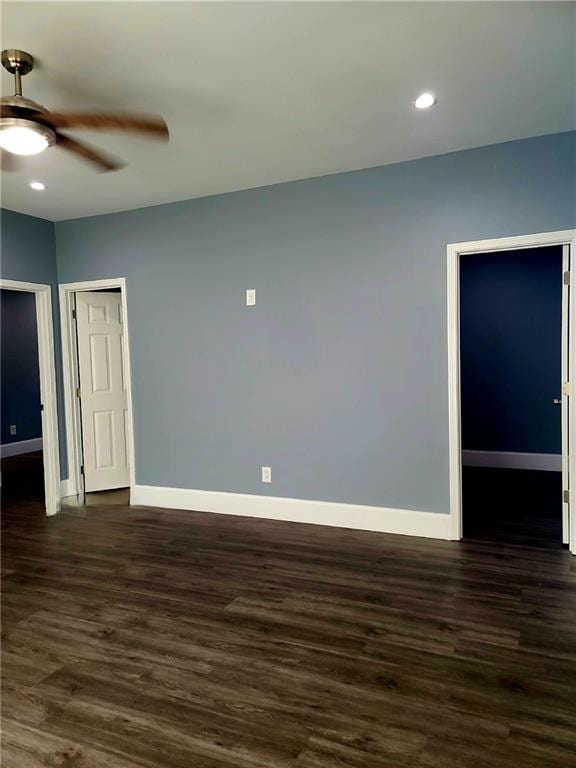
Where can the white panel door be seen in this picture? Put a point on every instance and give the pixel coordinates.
(103, 397)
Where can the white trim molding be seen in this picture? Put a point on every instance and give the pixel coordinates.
(22, 446)
(407, 522)
(454, 252)
(47, 368)
(67, 488)
(546, 462)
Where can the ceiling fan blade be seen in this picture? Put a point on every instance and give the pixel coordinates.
(86, 152)
(9, 162)
(151, 125)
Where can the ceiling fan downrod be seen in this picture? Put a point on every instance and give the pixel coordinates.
(18, 63)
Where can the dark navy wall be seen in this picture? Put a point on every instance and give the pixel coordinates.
(19, 373)
(511, 321)
(28, 249)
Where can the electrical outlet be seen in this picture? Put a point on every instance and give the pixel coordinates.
(251, 297)
(266, 474)
(13, 429)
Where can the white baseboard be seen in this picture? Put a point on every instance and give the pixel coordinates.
(22, 446)
(67, 488)
(549, 462)
(366, 518)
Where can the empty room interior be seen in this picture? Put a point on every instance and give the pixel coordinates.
(288, 352)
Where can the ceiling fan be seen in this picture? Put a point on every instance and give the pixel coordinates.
(27, 128)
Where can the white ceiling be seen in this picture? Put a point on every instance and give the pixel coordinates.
(260, 93)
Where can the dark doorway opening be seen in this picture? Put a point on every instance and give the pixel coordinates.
(517, 506)
(511, 382)
(21, 460)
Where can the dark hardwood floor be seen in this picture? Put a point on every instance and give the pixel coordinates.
(146, 638)
(517, 506)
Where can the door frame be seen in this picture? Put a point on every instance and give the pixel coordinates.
(47, 368)
(67, 293)
(455, 251)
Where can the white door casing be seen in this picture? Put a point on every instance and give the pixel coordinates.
(103, 391)
(565, 399)
(47, 368)
(567, 239)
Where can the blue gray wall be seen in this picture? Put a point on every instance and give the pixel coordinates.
(28, 254)
(337, 379)
(19, 373)
(28, 249)
(511, 323)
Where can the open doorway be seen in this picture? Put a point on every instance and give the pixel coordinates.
(511, 316)
(21, 404)
(97, 391)
(29, 452)
(511, 395)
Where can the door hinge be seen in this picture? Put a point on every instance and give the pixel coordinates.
(82, 469)
(78, 392)
(41, 406)
(567, 277)
(73, 314)
(566, 388)
(566, 497)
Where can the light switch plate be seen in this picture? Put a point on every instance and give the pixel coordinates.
(13, 429)
(251, 297)
(266, 474)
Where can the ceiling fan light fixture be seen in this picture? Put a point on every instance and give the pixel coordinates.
(25, 137)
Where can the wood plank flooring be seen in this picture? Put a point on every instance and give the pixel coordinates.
(142, 638)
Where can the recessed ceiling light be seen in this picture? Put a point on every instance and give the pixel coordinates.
(37, 185)
(424, 101)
